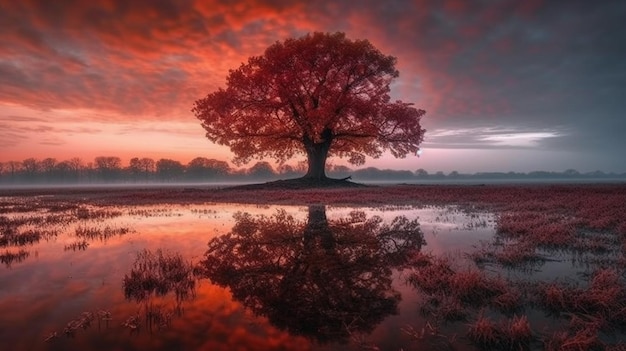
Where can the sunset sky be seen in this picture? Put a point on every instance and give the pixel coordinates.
(507, 85)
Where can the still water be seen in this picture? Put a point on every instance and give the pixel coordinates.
(253, 277)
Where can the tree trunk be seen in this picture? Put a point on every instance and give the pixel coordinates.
(317, 230)
(317, 153)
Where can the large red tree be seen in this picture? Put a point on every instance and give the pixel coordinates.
(319, 95)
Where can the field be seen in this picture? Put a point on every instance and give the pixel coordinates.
(457, 267)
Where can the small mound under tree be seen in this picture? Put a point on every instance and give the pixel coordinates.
(320, 95)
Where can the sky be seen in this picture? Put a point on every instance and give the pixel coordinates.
(506, 85)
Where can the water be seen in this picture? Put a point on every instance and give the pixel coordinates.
(273, 277)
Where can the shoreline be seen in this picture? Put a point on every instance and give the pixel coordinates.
(398, 194)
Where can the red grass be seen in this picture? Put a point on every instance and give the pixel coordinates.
(484, 332)
(513, 334)
(604, 298)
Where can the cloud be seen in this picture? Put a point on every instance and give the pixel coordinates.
(12, 118)
(52, 142)
(519, 139)
(147, 59)
(491, 138)
(532, 66)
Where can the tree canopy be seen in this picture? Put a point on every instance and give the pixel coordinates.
(319, 95)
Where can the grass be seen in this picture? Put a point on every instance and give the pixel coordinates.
(81, 245)
(97, 233)
(471, 287)
(511, 334)
(9, 257)
(603, 299)
(157, 274)
(458, 294)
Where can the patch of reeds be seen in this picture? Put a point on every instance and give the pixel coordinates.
(98, 233)
(82, 322)
(153, 212)
(595, 242)
(156, 318)
(28, 237)
(521, 255)
(84, 213)
(434, 275)
(579, 335)
(444, 308)
(76, 246)
(604, 298)
(203, 211)
(157, 274)
(133, 323)
(8, 257)
(512, 334)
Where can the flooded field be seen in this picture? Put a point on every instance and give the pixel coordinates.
(80, 274)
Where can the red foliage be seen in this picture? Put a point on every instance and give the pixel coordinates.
(318, 95)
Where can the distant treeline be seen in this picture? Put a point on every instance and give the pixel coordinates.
(109, 169)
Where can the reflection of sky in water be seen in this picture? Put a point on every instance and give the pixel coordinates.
(54, 285)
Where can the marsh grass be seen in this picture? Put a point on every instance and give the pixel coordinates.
(157, 274)
(9, 257)
(576, 338)
(604, 298)
(471, 287)
(154, 212)
(153, 276)
(76, 246)
(511, 334)
(82, 322)
(85, 213)
(28, 223)
(98, 233)
(454, 295)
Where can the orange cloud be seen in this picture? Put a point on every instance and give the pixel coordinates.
(506, 63)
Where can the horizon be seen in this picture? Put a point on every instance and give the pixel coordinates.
(521, 87)
(126, 166)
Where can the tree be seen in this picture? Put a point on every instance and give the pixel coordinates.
(320, 278)
(421, 173)
(319, 95)
(47, 165)
(141, 167)
(63, 172)
(13, 167)
(134, 168)
(76, 165)
(261, 170)
(169, 169)
(205, 168)
(30, 166)
(109, 167)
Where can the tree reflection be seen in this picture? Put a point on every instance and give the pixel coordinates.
(318, 278)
